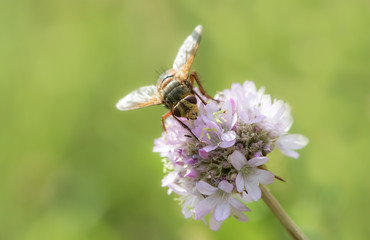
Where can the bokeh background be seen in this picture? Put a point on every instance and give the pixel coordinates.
(74, 167)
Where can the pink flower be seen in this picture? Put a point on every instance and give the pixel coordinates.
(219, 201)
(250, 176)
(288, 143)
(214, 127)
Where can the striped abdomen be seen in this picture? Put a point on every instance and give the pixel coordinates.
(173, 92)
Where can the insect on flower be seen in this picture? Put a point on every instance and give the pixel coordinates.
(174, 88)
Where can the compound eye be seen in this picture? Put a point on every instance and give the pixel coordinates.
(176, 112)
(192, 99)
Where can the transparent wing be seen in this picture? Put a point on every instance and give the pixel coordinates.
(187, 51)
(142, 97)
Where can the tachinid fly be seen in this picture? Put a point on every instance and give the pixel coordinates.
(175, 88)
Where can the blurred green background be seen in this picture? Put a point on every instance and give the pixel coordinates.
(74, 167)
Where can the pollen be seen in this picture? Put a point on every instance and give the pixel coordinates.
(219, 112)
(207, 129)
(219, 117)
(218, 120)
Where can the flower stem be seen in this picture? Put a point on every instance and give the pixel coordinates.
(281, 215)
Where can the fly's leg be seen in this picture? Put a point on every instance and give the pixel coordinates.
(194, 76)
(166, 115)
(204, 102)
(169, 113)
(183, 124)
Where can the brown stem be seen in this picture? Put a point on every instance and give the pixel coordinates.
(281, 215)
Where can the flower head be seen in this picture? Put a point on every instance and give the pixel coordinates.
(224, 164)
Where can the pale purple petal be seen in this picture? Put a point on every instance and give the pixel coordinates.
(203, 154)
(169, 178)
(205, 188)
(211, 108)
(257, 161)
(233, 121)
(228, 136)
(186, 211)
(287, 143)
(209, 148)
(252, 188)
(192, 173)
(227, 106)
(189, 204)
(177, 189)
(228, 139)
(225, 186)
(292, 141)
(238, 205)
(239, 215)
(237, 91)
(227, 144)
(259, 118)
(204, 207)
(199, 129)
(264, 177)
(249, 86)
(261, 91)
(277, 110)
(289, 153)
(233, 104)
(222, 211)
(237, 159)
(162, 147)
(237, 87)
(213, 125)
(239, 182)
(246, 198)
(230, 117)
(213, 224)
(286, 120)
(265, 105)
(244, 116)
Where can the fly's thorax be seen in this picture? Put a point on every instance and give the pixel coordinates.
(187, 108)
(166, 78)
